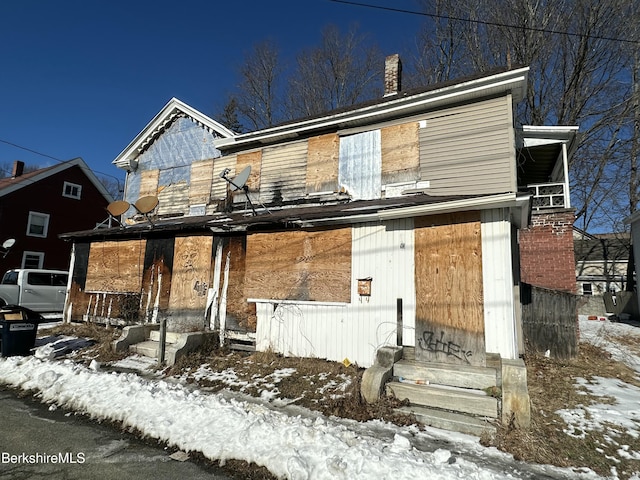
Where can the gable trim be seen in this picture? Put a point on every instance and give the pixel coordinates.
(174, 108)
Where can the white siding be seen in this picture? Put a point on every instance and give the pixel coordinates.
(283, 172)
(497, 272)
(382, 251)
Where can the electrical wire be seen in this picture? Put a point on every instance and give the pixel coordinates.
(481, 22)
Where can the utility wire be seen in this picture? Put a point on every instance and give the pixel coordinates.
(481, 22)
(53, 158)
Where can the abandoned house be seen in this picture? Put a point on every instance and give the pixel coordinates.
(391, 223)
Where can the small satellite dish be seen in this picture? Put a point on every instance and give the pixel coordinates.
(118, 207)
(146, 204)
(240, 180)
(7, 244)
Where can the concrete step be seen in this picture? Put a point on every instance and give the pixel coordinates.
(465, 376)
(149, 348)
(474, 402)
(171, 337)
(455, 422)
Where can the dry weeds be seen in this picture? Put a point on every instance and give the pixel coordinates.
(320, 385)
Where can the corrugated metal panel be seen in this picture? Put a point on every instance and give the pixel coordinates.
(360, 165)
(499, 308)
(354, 331)
(283, 173)
(469, 149)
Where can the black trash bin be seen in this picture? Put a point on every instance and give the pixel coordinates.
(18, 328)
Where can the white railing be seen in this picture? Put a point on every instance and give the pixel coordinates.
(549, 195)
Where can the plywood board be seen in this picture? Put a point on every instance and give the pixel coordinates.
(149, 182)
(322, 163)
(400, 153)
(201, 178)
(449, 301)
(191, 277)
(300, 265)
(253, 160)
(240, 314)
(115, 266)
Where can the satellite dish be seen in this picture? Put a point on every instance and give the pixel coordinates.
(241, 179)
(146, 204)
(118, 207)
(10, 242)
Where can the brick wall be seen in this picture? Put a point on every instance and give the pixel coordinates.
(546, 251)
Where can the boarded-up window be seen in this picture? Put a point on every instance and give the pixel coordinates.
(115, 266)
(301, 265)
(322, 163)
(360, 165)
(400, 153)
(283, 172)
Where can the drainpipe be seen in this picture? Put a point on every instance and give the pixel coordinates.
(565, 164)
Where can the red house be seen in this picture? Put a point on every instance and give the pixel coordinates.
(36, 207)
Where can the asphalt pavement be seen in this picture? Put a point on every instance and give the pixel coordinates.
(39, 443)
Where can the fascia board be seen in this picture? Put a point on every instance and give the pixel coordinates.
(506, 200)
(166, 113)
(512, 80)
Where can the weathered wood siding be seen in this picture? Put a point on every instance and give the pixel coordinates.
(550, 321)
(469, 149)
(283, 173)
(156, 282)
(201, 178)
(300, 265)
(449, 310)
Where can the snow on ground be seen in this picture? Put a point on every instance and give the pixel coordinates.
(301, 445)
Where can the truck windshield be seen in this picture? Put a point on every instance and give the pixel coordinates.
(10, 278)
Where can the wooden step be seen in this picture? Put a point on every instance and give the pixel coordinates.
(455, 422)
(465, 376)
(474, 402)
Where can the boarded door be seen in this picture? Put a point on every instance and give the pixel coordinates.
(190, 283)
(449, 308)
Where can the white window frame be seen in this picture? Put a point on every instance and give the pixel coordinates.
(45, 231)
(588, 290)
(71, 186)
(39, 255)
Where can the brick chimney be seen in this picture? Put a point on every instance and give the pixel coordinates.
(18, 168)
(392, 74)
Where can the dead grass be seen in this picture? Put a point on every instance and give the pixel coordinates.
(551, 388)
(334, 389)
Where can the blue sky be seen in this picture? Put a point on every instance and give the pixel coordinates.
(81, 78)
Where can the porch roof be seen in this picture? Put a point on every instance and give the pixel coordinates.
(307, 216)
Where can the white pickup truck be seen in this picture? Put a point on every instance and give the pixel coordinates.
(43, 291)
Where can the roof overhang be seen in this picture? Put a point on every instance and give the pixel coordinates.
(174, 108)
(511, 81)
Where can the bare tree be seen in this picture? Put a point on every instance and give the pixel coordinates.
(342, 71)
(258, 101)
(578, 76)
